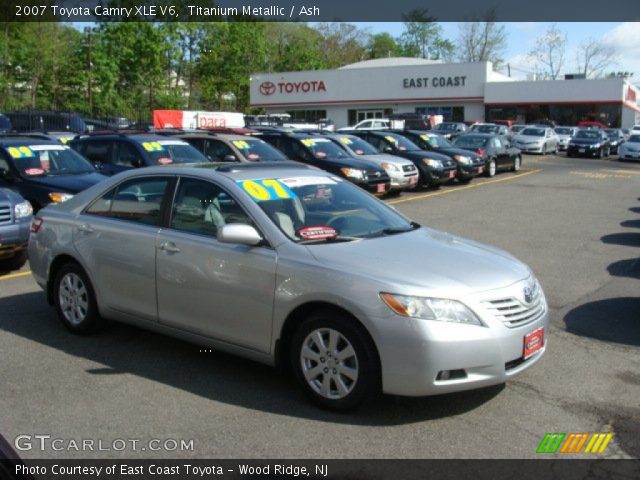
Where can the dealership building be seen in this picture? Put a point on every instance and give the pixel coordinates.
(466, 92)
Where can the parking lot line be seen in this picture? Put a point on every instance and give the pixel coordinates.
(15, 275)
(466, 187)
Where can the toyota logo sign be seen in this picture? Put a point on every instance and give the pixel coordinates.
(267, 88)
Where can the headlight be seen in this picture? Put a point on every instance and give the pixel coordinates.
(432, 163)
(390, 166)
(59, 197)
(462, 159)
(353, 173)
(440, 309)
(22, 210)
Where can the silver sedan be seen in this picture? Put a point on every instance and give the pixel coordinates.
(288, 264)
(537, 140)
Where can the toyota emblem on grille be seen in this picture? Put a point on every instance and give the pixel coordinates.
(528, 294)
(267, 88)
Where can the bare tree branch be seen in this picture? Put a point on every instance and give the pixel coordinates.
(594, 57)
(549, 52)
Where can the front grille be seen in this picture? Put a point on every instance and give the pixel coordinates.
(514, 312)
(5, 214)
(408, 168)
(375, 178)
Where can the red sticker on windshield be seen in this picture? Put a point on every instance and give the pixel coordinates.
(321, 154)
(33, 171)
(165, 160)
(359, 152)
(317, 232)
(253, 156)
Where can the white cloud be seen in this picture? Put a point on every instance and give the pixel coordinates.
(625, 39)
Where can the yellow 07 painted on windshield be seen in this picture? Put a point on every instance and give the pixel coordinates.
(265, 190)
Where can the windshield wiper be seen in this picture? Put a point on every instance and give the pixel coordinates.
(328, 240)
(394, 230)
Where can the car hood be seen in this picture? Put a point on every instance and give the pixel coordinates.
(565, 137)
(68, 183)
(7, 195)
(380, 158)
(420, 154)
(353, 162)
(527, 138)
(425, 261)
(459, 151)
(584, 141)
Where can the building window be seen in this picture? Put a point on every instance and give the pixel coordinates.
(561, 114)
(449, 114)
(311, 116)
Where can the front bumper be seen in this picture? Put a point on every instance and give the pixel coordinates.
(627, 155)
(440, 176)
(470, 171)
(403, 180)
(413, 352)
(582, 151)
(13, 238)
(529, 148)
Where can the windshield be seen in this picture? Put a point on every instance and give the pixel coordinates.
(401, 143)
(484, 128)
(310, 209)
(357, 145)
(257, 150)
(564, 131)
(613, 133)
(47, 160)
(517, 128)
(471, 141)
(533, 132)
(324, 148)
(164, 152)
(588, 134)
(634, 138)
(449, 127)
(436, 141)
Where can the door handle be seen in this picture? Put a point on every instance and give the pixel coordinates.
(85, 228)
(169, 247)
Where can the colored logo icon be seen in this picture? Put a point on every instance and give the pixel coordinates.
(593, 443)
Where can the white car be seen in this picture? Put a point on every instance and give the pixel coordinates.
(370, 124)
(564, 135)
(630, 150)
(541, 140)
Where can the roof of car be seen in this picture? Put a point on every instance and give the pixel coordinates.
(141, 136)
(25, 140)
(483, 135)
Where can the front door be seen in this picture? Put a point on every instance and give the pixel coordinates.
(215, 289)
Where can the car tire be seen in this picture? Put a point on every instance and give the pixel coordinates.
(75, 300)
(491, 168)
(544, 150)
(517, 164)
(465, 181)
(14, 263)
(600, 153)
(343, 383)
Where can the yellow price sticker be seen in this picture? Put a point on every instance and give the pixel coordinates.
(21, 152)
(390, 138)
(308, 142)
(152, 146)
(346, 140)
(425, 137)
(241, 144)
(265, 190)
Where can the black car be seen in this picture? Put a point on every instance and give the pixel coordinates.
(469, 165)
(43, 171)
(496, 151)
(589, 143)
(322, 152)
(435, 169)
(61, 137)
(5, 124)
(46, 120)
(616, 138)
(449, 130)
(112, 153)
(232, 148)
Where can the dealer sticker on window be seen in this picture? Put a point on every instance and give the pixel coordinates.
(20, 152)
(266, 190)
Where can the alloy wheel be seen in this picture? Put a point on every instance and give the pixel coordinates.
(73, 298)
(329, 363)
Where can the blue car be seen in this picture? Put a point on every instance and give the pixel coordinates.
(43, 171)
(15, 218)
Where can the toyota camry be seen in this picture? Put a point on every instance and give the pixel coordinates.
(287, 264)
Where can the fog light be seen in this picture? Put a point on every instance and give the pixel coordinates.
(451, 374)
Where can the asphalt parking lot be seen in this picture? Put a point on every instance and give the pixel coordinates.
(576, 222)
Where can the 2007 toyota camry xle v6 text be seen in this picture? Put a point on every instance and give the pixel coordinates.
(287, 264)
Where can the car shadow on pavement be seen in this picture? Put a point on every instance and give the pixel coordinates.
(625, 268)
(629, 239)
(635, 209)
(612, 320)
(631, 224)
(216, 376)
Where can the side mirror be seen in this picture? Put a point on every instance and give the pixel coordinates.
(239, 233)
(136, 162)
(229, 158)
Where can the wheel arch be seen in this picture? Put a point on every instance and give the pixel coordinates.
(297, 315)
(57, 263)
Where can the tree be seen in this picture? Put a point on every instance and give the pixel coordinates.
(549, 52)
(382, 45)
(292, 47)
(422, 37)
(594, 57)
(341, 43)
(482, 41)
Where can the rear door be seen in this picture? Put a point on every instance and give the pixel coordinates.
(116, 239)
(215, 289)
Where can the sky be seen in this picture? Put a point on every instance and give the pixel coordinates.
(624, 37)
